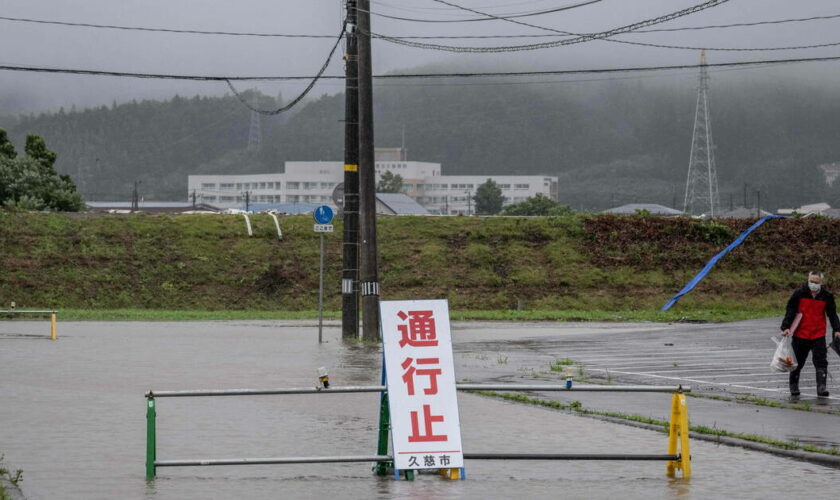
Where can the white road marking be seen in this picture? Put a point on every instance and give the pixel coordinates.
(721, 384)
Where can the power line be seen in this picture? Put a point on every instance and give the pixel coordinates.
(741, 25)
(654, 30)
(376, 35)
(397, 76)
(303, 94)
(603, 36)
(578, 38)
(495, 18)
(160, 30)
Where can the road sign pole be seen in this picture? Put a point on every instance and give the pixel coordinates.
(321, 294)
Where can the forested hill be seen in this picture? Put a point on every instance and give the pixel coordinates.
(611, 142)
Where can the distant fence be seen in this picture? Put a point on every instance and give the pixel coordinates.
(52, 314)
(677, 457)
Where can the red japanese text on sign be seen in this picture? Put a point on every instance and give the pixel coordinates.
(420, 330)
(411, 371)
(428, 420)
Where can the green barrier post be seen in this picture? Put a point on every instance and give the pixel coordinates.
(151, 445)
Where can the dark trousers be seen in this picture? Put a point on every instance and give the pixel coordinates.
(801, 348)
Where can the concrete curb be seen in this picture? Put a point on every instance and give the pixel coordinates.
(12, 490)
(806, 456)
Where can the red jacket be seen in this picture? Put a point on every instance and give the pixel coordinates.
(814, 310)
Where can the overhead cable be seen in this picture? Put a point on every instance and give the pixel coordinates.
(398, 76)
(478, 19)
(603, 36)
(634, 32)
(578, 38)
(163, 30)
(297, 99)
(376, 35)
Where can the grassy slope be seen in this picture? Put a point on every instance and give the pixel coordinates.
(576, 267)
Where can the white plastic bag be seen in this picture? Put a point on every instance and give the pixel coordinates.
(784, 359)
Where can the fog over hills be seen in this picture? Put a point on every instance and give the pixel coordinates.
(611, 138)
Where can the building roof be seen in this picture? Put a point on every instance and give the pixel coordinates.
(833, 213)
(150, 206)
(400, 204)
(814, 208)
(633, 208)
(286, 208)
(742, 213)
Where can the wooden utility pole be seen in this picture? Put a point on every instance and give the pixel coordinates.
(350, 274)
(368, 275)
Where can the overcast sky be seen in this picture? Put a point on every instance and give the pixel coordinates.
(135, 51)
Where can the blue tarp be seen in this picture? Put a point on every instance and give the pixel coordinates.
(709, 265)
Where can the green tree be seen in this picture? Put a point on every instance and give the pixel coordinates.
(488, 198)
(36, 148)
(7, 149)
(389, 183)
(31, 183)
(537, 205)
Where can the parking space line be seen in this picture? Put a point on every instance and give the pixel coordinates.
(722, 384)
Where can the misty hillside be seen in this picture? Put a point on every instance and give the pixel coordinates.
(610, 142)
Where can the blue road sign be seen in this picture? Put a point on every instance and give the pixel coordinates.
(323, 214)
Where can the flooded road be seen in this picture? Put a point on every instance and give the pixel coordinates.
(72, 416)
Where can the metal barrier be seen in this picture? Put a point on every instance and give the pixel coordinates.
(51, 313)
(678, 456)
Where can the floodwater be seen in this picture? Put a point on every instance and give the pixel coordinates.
(72, 416)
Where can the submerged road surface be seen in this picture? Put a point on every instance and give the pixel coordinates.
(72, 416)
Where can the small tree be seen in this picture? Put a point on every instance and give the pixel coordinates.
(537, 205)
(7, 149)
(389, 183)
(31, 183)
(488, 198)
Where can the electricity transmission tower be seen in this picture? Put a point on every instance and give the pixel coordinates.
(255, 132)
(701, 188)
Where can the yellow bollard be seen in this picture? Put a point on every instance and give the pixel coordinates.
(678, 438)
(451, 474)
(52, 327)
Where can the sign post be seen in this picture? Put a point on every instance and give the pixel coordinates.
(323, 215)
(425, 426)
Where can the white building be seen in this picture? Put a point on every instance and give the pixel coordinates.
(314, 182)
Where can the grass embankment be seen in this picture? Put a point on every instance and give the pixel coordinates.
(561, 268)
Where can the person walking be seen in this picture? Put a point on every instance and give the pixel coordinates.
(815, 303)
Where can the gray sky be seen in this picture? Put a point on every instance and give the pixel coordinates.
(103, 49)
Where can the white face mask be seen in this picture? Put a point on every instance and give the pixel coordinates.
(814, 287)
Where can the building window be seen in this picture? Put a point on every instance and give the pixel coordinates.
(224, 187)
(292, 198)
(209, 198)
(293, 185)
(226, 199)
(310, 185)
(327, 185)
(504, 186)
(238, 186)
(521, 186)
(208, 185)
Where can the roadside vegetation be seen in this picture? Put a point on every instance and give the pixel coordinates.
(7, 475)
(573, 267)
